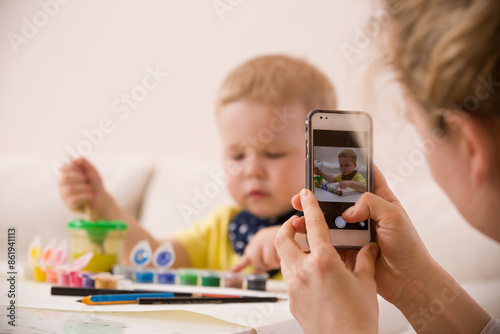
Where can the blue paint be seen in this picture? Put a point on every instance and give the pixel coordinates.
(145, 276)
(167, 277)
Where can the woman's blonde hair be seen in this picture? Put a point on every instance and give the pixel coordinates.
(446, 53)
(278, 80)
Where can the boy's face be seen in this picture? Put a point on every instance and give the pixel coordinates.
(264, 155)
(347, 166)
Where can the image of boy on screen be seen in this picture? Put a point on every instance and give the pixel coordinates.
(348, 177)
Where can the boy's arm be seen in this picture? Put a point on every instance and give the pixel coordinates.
(82, 190)
(356, 185)
(327, 177)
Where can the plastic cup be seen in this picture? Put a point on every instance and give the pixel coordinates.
(128, 272)
(210, 278)
(188, 277)
(166, 277)
(317, 181)
(103, 238)
(233, 280)
(88, 280)
(145, 276)
(257, 281)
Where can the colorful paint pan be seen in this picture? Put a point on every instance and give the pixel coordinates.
(233, 280)
(105, 281)
(39, 274)
(188, 276)
(128, 272)
(50, 275)
(75, 279)
(167, 277)
(145, 276)
(88, 280)
(257, 281)
(210, 278)
(62, 277)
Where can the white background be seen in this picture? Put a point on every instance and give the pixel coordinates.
(63, 80)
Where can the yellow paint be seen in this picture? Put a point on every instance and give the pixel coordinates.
(39, 274)
(99, 262)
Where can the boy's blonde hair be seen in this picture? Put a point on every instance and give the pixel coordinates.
(348, 153)
(278, 80)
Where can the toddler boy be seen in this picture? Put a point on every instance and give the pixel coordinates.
(349, 176)
(261, 109)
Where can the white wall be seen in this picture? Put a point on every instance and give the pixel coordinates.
(63, 78)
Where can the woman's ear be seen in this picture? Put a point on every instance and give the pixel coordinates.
(472, 142)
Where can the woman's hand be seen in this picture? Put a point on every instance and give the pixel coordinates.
(326, 294)
(403, 257)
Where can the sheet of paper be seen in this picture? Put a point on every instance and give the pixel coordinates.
(169, 322)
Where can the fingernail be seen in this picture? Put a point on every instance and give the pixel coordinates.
(304, 193)
(350, 212)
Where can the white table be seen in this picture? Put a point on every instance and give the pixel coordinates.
(349, 195)
(37, 309)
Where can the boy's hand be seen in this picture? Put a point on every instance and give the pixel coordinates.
(81, 187)
(260, 252)
(345, 184)
(318, 171)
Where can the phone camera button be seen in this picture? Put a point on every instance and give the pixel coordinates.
(340, 222)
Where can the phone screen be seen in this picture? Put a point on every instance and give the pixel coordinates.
(340, 168)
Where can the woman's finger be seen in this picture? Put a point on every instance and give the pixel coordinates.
(318, 234)
(299, 225)
(371, 206)
(286, 246)
(296, 202)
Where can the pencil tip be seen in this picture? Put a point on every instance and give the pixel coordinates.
(79, 301)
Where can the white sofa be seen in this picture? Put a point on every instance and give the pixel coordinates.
(159, 192)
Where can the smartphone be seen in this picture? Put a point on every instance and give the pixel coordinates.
(339, 169)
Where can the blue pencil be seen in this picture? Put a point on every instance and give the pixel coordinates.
(122, 298)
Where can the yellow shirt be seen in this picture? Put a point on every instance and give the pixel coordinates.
(207, 242)
(357, 177)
